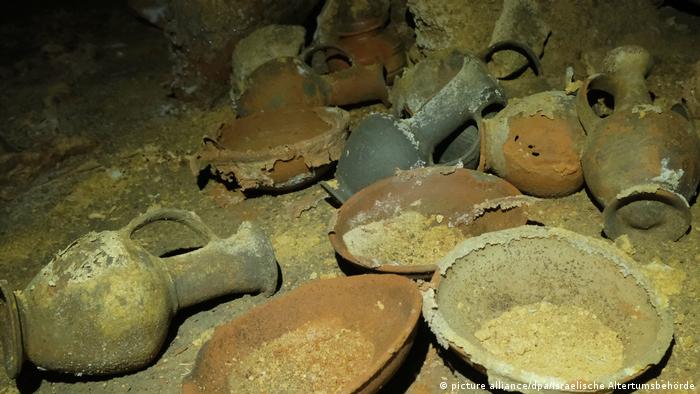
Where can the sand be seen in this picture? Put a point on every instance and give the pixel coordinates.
(566, 342)
(318, 357)
(410, 238)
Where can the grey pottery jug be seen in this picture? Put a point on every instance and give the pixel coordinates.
(381, 144)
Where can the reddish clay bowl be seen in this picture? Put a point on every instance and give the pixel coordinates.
(472, 201)
(279, 150)
(384, 309)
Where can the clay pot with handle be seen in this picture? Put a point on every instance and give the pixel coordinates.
(104, 304)
(381, 144)
(363, 31)
(289, 82)
(642, 162)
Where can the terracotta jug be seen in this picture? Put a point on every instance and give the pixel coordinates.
(362, 30)
(288, 82)
(536, 143)
(103, 305)
(642, 162)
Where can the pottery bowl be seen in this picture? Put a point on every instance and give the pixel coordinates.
(488, 275)
(381, 310)
(467, 200)
(280, 150)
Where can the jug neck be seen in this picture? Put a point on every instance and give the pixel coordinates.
(243, 263)
(357, 84)
(631, 90)
(460, 100)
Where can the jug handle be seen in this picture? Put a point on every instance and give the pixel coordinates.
(307, 53)
(589, 120)
(187, 218)
(682, 110)
(516, 46)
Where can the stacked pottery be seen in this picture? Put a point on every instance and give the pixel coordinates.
(642, 162)
(104, 304)
(535, 143)
(289, 131)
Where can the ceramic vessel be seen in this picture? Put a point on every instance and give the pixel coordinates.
(486, 276)
(104, 304)
(279, 150)
(421, 82)
(642, 162)
(288, 82)
(468, 200)
(381, 144)
(362, 30)
(536, 144)
(382, 309)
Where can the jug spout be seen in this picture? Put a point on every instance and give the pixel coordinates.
(357, 84)
(243, 263)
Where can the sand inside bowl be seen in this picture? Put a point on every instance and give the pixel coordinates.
(565, 342)
(410, 238)
(318, 357)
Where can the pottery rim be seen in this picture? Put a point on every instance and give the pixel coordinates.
(500, 370)
(412, 271)
(615, 226)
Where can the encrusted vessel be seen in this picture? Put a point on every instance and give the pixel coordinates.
(536, 143)
(103, 305)
(279, 150)
(381, 144)
(488, 275)
(642, 162)
(363, 31)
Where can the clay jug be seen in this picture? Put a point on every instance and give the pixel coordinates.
(642, 162)
(288, 82)
(382, 144)
(103, 305)
(420, 82)
(535, 143)
(362, 30)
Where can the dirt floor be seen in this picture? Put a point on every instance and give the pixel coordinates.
(85, 96)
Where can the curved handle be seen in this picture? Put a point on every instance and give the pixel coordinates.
(213, 141)
(310, 51)
(523, 49)
(589, 119)
(188, 218)
(683, 111)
